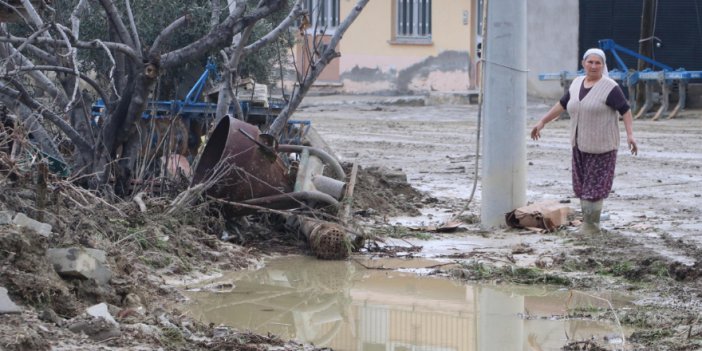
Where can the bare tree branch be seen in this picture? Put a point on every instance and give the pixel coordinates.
(112, 71)
(226, 95)
(216, 37)
(132, 26)
(75, 17)
(33, 15)
(168, 32)
(33, 104)
(116, 21)
(73, 54)
(42, 55)
(317, 67)
(93, 44)
(29, 40)
(216, 12)
(82, 76)
(295, 12)
(221, 34)
(43, 82)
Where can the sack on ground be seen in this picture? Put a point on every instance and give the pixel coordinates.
(544, 215)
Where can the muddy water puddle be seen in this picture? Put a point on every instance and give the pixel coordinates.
(388, 305)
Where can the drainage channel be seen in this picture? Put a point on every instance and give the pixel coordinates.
(344, 305)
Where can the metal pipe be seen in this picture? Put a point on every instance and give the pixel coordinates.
(327, 158)
(330, 186)
(291, 200)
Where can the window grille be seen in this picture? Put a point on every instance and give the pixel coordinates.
(413, 18)
(323, 14)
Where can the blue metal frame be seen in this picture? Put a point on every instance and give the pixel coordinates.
(665, 77)
(196, 90)
(190, 108)
(296, 131)
(611, 46)
(187, 107)
(623, 74)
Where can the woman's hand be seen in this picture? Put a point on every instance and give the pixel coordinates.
(536, 131)
(632, 145)
(552, 114)
(630, 141)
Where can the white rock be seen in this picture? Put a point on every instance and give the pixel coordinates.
(101, 310)
(21, 220)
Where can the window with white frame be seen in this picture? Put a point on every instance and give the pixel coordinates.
(413, 19)
(323, 14)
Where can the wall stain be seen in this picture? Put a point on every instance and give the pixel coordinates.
(400, 81)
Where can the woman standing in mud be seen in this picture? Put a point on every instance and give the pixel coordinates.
(594, 102)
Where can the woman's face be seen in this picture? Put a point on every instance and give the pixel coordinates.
(593, 65)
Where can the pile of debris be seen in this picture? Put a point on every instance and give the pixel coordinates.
(244, 169)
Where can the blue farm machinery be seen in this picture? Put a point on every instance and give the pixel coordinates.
(662, 79)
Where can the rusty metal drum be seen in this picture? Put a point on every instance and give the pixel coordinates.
(240, 164)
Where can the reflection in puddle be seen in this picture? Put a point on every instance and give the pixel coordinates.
(344, 306)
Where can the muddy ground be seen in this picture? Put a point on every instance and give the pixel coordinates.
(417, 168)
(651, 245)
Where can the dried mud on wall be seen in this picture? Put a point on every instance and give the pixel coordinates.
(448, 71)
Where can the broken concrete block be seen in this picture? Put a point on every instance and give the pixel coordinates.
(101, 311)
(392, 176)
(97, 323)
(5, 217)
(6, 305)
(99, 255)
(21, 220)
(80, 263)
(97, 329)
(50, 316)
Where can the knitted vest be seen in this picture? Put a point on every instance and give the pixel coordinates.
(595, 124)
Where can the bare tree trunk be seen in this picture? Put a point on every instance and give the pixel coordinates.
(232, 78)
(224, 98)
(125, 133)
(317, 67)
(127, 164)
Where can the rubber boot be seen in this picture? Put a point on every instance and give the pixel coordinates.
(591, 216)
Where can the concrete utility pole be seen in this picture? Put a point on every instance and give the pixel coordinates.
(504, 111)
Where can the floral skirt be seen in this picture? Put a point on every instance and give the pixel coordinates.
(593, 174)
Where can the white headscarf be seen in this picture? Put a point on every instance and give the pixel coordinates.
(600, 53)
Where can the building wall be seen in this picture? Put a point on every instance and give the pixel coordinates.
(552, 43)
(371, 62)
(330, 74)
